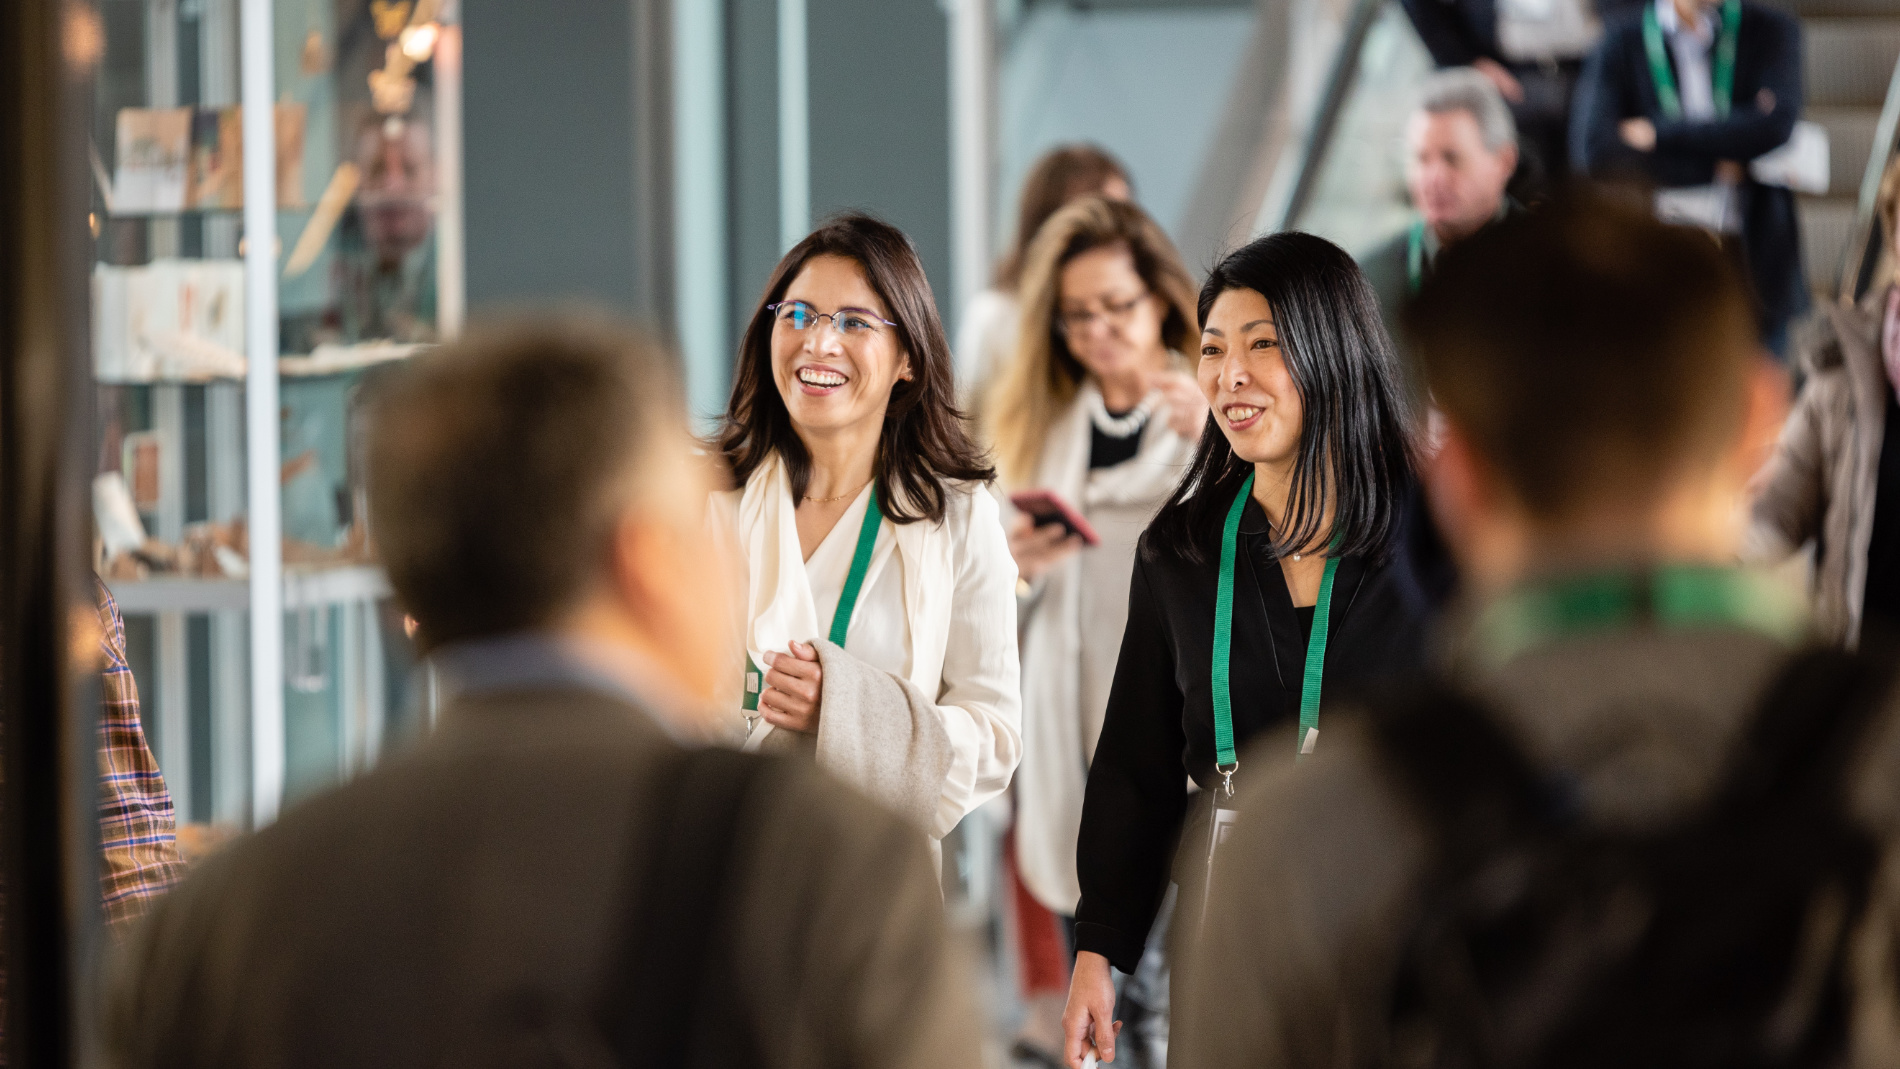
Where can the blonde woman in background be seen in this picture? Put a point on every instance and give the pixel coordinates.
(1834, 478)
(987, 331)
(1095, 408)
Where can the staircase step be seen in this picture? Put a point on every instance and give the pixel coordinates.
(1827, 224)
(1850, 61)
(1834, 8)
(1850, 136)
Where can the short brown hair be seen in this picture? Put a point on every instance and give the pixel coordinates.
(923, 443)
(1042, 375)
(497, 465)
(1061, 175)
(1587, 351)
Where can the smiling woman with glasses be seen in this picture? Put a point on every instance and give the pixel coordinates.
(880, 614)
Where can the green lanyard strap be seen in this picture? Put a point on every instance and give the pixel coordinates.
(1226, 761)
(1415, 257)
(1674, 598)
(847, 598)
(1723, 76)
(854, 579)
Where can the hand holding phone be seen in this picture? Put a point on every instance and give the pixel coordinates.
(1044, 507)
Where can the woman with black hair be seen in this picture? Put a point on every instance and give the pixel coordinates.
(1270, 574)
(880, 605)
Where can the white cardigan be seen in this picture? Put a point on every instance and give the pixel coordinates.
(937, 610)
(1072, 635)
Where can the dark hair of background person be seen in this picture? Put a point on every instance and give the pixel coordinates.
(924, 443)
(1586, 350)
(1044, 376)
(1061, 175)
(1356, 435)
(498, 465)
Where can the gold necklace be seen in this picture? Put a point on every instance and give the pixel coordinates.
(840, 497)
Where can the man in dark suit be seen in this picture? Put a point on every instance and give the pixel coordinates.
(560, 874)
(1683, 97)
(1532, 50)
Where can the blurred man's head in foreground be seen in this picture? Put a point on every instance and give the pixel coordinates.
(1603, 390)
(1460, 152)
(537, 476)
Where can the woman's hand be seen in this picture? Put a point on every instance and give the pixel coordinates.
(1039, 548)
(794, 687)
(1186, 405)
(1089, 1021)
(1639, 134)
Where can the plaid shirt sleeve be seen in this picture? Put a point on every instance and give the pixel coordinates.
(136, 823)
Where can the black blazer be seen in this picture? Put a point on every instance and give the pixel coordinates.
(1456, 32)
(1159, 727)
(1617, 85)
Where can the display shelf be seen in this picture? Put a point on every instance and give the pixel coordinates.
(325, 360)
(230, 346)
(303, 588)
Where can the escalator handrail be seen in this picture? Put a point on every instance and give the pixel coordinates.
(1325, 120)
(1865, 242)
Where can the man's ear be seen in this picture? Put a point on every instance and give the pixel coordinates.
(1765, 410)
(1508, 156)
(1454, 482)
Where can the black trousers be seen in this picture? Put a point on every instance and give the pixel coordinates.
(1543, 127)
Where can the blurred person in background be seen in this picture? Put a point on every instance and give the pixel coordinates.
(139, 858)
(1097, 409)
(137, 824)
(385, 277)
(1683, 98)
(1835, 475)
(988, 332)
(560, 874)
(1460, 150)
(382, 274)
(1269, 573)
(880, 601)
(1487, 859)
(1531, 51)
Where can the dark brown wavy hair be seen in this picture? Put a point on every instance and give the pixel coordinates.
(923, 444)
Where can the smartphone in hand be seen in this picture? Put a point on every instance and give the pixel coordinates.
(1044, 507)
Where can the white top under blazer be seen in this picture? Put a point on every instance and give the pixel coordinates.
(937, 608)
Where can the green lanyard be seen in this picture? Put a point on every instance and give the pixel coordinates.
(1680, 597)
(1225, 759)
(847, 599)
(1415, 258)
(1723, 77)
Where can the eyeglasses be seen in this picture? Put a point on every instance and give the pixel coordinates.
(1114, 313)
(850, 322)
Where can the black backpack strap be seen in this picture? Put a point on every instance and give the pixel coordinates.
(1472, 781)
(664, 1001)
(1810, 724)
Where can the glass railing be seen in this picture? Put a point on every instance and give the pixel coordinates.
(1347, 181)
(1864, 255)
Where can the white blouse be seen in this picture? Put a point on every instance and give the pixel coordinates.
(978, 690)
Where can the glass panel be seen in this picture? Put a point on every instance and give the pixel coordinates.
(358, 193)
(1359, 198)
